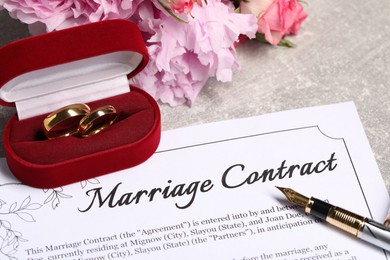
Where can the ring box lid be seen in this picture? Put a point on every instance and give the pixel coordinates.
(77, 65)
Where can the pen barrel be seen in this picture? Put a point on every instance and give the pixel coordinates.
(341, 218)
(363, 228)
(345, 220)
(376, 234)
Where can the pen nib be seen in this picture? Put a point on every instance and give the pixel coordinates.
(294, 196)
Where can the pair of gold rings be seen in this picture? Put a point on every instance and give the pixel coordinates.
(78, 120)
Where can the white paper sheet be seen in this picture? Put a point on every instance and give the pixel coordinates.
(205, 194)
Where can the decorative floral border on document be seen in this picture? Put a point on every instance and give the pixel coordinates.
(11, 238)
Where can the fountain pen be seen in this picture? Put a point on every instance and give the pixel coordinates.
(361, 227)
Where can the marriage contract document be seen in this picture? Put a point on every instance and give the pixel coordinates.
(209, 193)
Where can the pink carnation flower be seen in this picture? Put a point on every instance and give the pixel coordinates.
(185, 55)
(60, 14)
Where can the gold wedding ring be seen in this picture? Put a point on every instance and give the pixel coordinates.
(97, 120)
(64, 121)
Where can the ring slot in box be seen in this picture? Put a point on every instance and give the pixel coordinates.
(86, 64)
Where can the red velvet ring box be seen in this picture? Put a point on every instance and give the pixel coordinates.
(88, 64)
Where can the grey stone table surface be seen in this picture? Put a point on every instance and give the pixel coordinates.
(342, 54)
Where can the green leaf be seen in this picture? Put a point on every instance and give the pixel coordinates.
(261, 37)
(286, 43)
